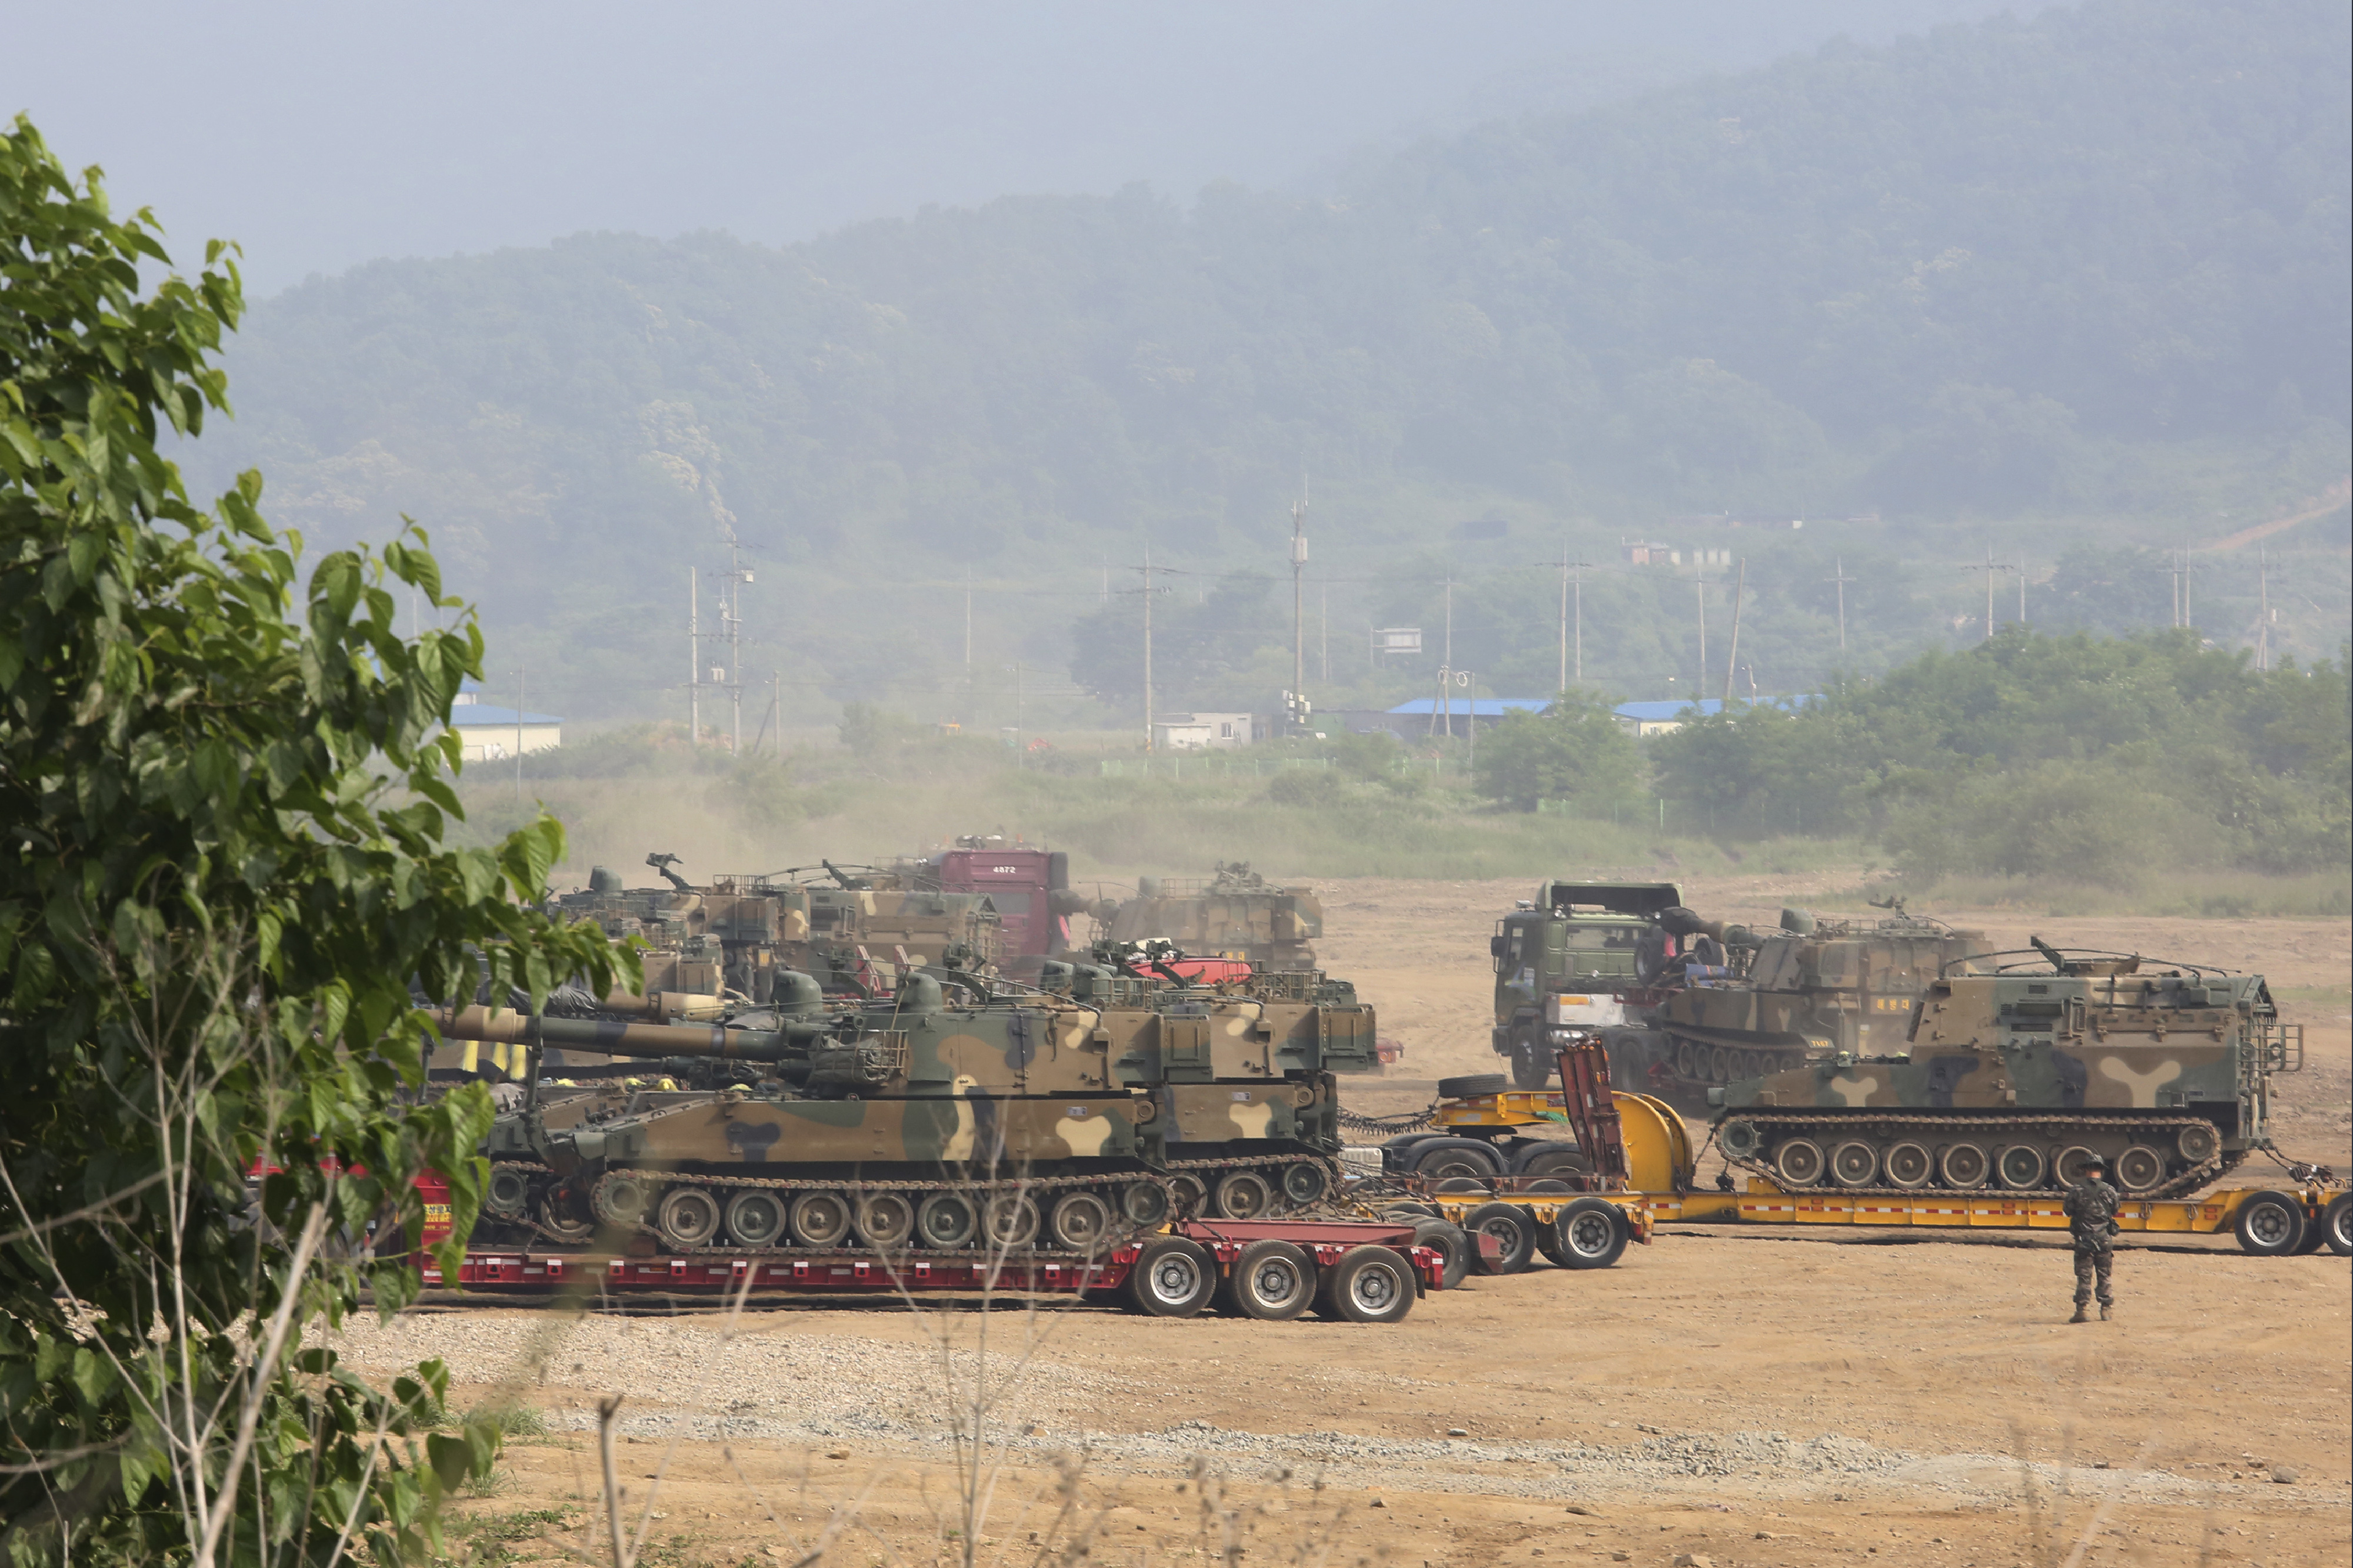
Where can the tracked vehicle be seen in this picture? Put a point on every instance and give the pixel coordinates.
(1735, 1003)
(1034, 1119)
(1237, 914)
(2014, 1077)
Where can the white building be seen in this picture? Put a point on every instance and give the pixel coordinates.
(1202, 731)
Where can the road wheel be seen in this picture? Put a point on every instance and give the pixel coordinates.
(2336, 1223)
(1855, 1163)
(1271, 1281)
(1473, 1086)
(2269, 1225)
(1305, 1182)
(1909, 1164)
(1079, 1221)
(1172, 1278)
(1798, 1161)
(1531, 1067)
(687, 1217)
(1592, 1234)
(2068, 1168)
(885, 1221)
(1188, 1196)
(1243, 1195)
(756, 1218)
(1010, 1220)
(2020, 1167)
(562, 1216)
(821, 1219)
(1143, 1202)
(2196, 1142)
(1514, 1234)
(2139, 1168)
(1446, 1238)
(1368, 1285)
(945, 1221)
(1964, 1167)
(1687, 1059)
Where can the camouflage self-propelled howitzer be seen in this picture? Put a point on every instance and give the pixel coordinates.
(1243, 1072)
(1043, 1118)
(2017, 1075)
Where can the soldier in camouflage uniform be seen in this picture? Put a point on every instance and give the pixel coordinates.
(2092, 1216)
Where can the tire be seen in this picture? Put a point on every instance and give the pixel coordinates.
(1368, 1285)
(1272, 1281)
(1513, 1230)
(1591, 1233)
(2269, 1225)
(1447, 1239)
(1173, 1278)
(1473, 1086)
(2337, 1224)
(1553, 1160)
(1410, 1214)
(1548, 1243)
(1443, 1157)
(1531, 1067)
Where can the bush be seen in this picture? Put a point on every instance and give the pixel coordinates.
(1314, 789)
(1573, 749)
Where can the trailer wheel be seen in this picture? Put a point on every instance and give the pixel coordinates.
(1552, 1160)
(1446, 1238)
(1531, 1067)
(2269, 1225)
(1549, 1243)
(1368, 1285)
(1514, 1232)
(1272, 1281)
(1592, 1234)
(1172, 1278)
(2336, 1223)
(1456, 1157)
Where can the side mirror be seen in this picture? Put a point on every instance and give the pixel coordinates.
(1496, 946)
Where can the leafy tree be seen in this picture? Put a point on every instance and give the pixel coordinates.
(227, 863)
(1573, 749)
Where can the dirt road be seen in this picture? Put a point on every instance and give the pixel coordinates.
(1726, 1398)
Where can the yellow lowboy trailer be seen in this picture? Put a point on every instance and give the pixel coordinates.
(1659, 1168)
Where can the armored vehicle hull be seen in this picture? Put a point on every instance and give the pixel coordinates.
(1237, 913)
(2015, 1079)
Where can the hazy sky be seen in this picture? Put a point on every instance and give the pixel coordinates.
(321, 134)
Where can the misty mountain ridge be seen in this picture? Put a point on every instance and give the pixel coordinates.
(2038, 268)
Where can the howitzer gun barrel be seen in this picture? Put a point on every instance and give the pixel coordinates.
(709, 1041)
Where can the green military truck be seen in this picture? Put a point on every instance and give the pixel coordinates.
(1567, 959)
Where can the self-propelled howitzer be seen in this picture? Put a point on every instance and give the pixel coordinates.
(906, 1122)
(2015, 1077)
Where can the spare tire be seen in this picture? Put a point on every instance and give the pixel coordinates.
(1473, 1086)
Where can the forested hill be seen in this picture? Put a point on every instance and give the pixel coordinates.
(2004, 269)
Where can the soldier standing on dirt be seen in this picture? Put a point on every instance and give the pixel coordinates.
(2092, 1216)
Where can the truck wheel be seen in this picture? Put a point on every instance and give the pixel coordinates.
(1473, 1086)
(2336, 1223)
(2269, 1225)
(1271, 1281)
(1446, 1238)
(1172, 1278)
(1555, 1160)
(1514, 1234)
(1443, 1157)
(1531, 1067)
(1592, 1234)
(1368, 1285)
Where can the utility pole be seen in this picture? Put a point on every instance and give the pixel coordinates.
(967, 623)
(1323, 630)
(1446, 692)
(694, 657)
(2187, 619)
(1733, 662)
(1841, 579)
(1989, 567)
(1149, 591)
(1020, 757)
(1699, 584)
(519, 696)
(2022, 589)
(731, 621)
(1298, 601)
(2264, 608)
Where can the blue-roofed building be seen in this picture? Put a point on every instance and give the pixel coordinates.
(489, 733)
(1462, 707)
(1666, 718)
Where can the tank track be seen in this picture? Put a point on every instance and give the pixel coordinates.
(1833, 1124)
